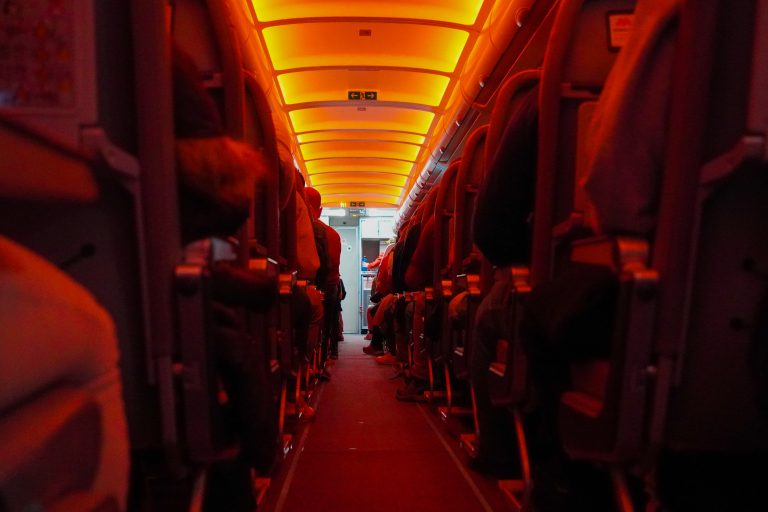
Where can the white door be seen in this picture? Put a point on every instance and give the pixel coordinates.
(350, 273)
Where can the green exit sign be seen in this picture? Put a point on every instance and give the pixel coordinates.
(362, 95)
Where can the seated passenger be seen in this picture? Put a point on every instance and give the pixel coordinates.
(418, 275)
(307, 303)
(381, 290)
(401, 257)
(309, 266)
(328, 276)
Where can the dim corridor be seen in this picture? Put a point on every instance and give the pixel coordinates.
(366, 451)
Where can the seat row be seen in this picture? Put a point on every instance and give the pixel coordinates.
(595, 251)
(184, 308)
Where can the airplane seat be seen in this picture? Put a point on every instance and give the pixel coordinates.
(229, 422)
(504, 383)
(507, 381)
(583, 44)
(679, 377)
(288, 220)
(56, 410)
(585, 39)
(432, 291)
(259, 132)
(710, 245)
(442, 282)
(263, 229)
(206, 433)
(238, 436)
(203, 30)
(504, 102)
(576, 63)
(467, 260)
(417, 278)
(442, 285)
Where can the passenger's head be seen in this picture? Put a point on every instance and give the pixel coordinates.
(314, 201)
(216, 174)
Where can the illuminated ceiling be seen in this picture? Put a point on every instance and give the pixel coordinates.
(409, 54)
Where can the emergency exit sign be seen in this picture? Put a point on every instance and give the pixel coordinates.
(362, 95)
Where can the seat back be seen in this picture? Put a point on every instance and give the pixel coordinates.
(505, 100)
(288, 221)
(575, 66)
(72, 195)
(259, 132)
(711, 245)
(468, 180)
(429, 204)
(681, 325)
(466, 258)
(507, 374)
(442, 280)
(263, 228)
(444, 218)
(202, 30)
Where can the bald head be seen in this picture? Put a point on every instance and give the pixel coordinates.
(313, 201)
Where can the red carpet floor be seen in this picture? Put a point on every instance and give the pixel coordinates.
(365, 451)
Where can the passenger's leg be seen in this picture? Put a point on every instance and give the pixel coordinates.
(401, 332)
(308, 327)
(316, 318)
(301, 316)
(331, 307)
(369, 315)
(414, 389)
(391, 329)
(496, 445)
(378, 323)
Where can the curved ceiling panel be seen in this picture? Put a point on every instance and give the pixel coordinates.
(308, 45)
(333, 85)
(379, 178)
(361, 118)
(326, 136)
(362, 86)
(450, 11)
(359, 165)
(360, 149)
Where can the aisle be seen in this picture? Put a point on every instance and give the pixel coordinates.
(368, 452)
